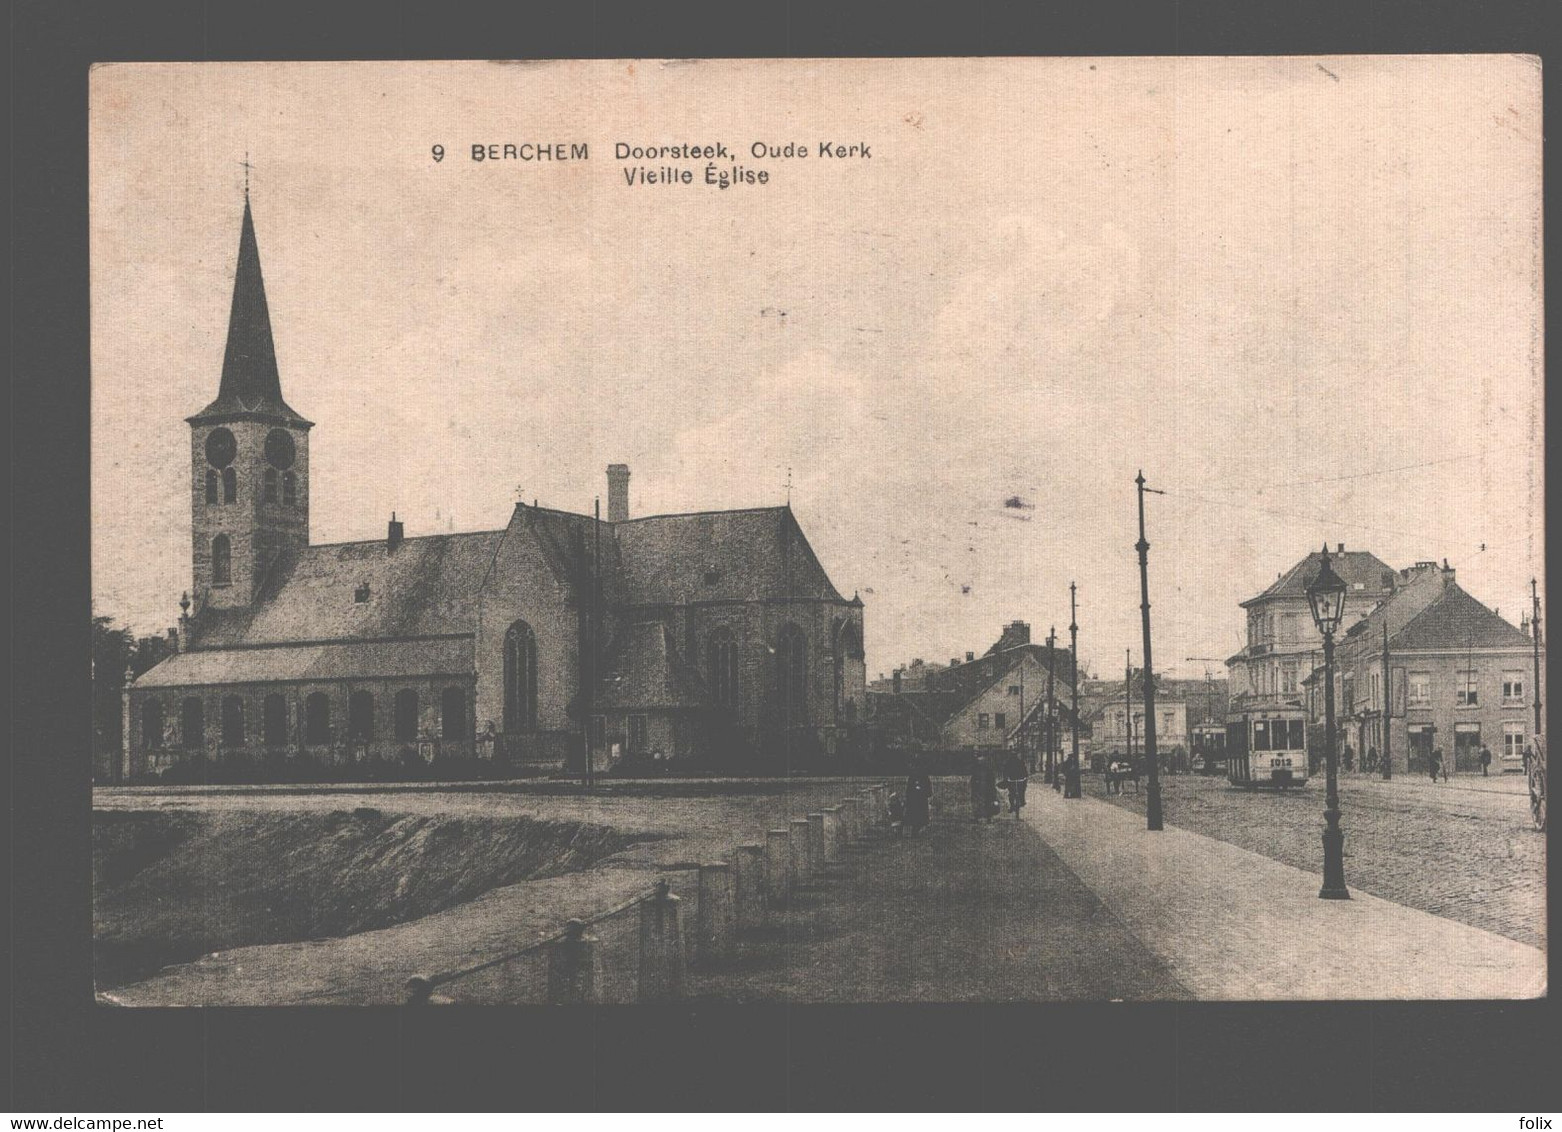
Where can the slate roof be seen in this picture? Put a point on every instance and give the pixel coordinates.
(1455, 621)
(356, 659)
(1352, 565)
(645, 672)
(427, 586)
(719, 556)
(250, 383)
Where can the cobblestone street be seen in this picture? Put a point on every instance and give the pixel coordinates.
(1465, 850)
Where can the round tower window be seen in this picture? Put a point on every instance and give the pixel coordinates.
(220, 448)
(279, 449)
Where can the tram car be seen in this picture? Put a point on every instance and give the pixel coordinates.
(1267, 747)
(1209, 748)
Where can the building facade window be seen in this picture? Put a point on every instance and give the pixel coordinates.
(233, 721)
(981, 721)
(192, 724)
(317, 718)
(452, 714)
(407, 715)
(520, 678)
(722, 668)
(211, 485)
(271, 485)
(289, 489)
(1288, 629)
(792, 676)
(1420, 688)
(230, 485)
(1513, 688)
(274, 721)
(360, 716)
(638, 734)
(1513, 742)
(152, 724)
(1466, 694)
(1014, 689)
(999, 719)
(222, 561)
(1288, 678)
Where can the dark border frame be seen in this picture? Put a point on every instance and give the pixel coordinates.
(70, 1055)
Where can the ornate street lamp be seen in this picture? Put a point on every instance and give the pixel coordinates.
(1326, 596)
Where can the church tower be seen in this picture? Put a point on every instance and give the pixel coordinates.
(249, 455)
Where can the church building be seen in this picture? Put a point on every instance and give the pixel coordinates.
(715, 639)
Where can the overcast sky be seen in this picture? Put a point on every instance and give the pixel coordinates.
(1303, 295)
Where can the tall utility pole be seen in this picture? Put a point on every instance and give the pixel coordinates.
(1052, 719)
(1152, 801)
(595, 616)
(1534, 633)
(1388, 709)
(1128, 700)
(1072, 790)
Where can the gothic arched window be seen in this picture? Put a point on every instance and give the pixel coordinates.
(233, 721)
(792, 675)
(271, 485)
(192, 724)
(211, 485)
(152, 724)
(230, 484)
(520, 678)
(289, 488)
(317, 718)
(407, 715)
(274, 720)
(222, 561)
(360, 716)
(452, 714)
(721, 657)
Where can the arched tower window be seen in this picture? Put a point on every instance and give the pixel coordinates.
(222, 561)
(722, 668)
(792, 676)
(271, 485)
(407, 715)
(233, 721)
(274, 720)
(152, 724)
(520, 678)
(452, 714)
(230, 484)
(192, 724)
(317, 718)
(211, 485)
(360, 716)
(289, 488)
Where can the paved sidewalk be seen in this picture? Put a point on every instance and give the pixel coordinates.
(1231, 924)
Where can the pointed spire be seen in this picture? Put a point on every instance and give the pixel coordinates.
(250, 382)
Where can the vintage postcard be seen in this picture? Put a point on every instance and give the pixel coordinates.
(852, 531)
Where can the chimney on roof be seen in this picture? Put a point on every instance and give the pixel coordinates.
(618, 493)
(1339, 548)
(954, 660)
(969, 656)
(394, 533)
(895, 681)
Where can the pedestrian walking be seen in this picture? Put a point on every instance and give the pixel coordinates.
(1350, 758)
(919, 793)
(1372, 760)
(984, 789)
(1437, 764)
(1015, 778)
(1485, 760)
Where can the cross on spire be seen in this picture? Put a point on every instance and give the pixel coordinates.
(247, 167)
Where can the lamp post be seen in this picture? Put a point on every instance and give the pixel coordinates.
(1049, 728)
(1326, 596)
(1152, 800)
(1072, 790)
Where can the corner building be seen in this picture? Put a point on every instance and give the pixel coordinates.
(714, 639)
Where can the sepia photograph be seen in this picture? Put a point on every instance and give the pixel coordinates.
(817, 531)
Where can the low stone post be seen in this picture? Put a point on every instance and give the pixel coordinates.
(713, 918)
(778, 867)
(818, 852)
(748, 886)
(834, 834)
(802, 866)
(661, 948)
(574, 967)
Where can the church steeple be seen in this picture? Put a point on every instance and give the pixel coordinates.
(250, 382)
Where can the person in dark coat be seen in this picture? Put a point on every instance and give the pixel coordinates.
(1437, 764)
(919, 793)
(1485, 760)
(1014, 780)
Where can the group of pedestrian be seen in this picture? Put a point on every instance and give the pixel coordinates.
(912, 812)
(987, 776)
